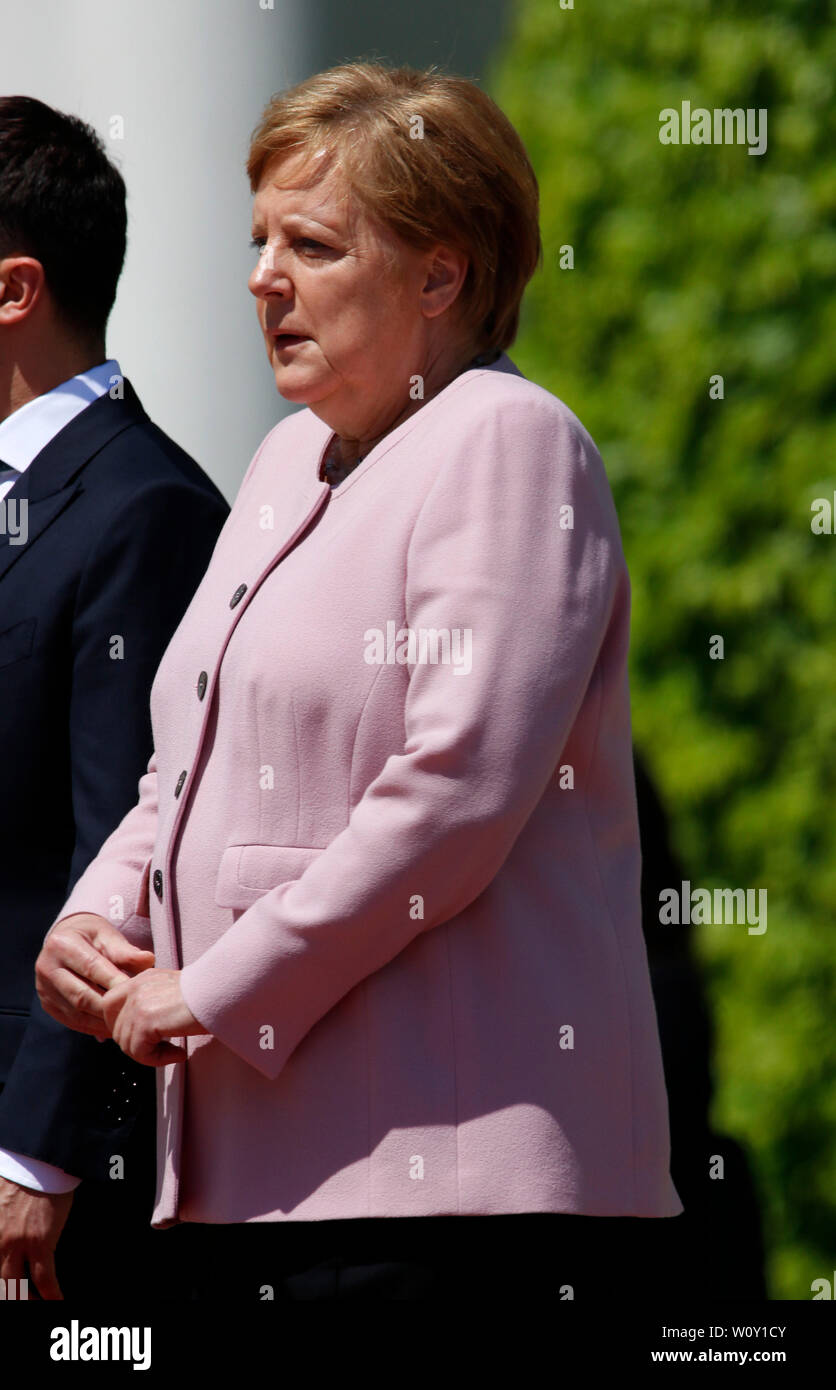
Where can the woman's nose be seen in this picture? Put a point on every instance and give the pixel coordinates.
(268, 275)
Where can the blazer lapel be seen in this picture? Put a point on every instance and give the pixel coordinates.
(23, 521)
(52, 479)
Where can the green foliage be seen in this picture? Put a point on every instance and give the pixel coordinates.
(690, 261)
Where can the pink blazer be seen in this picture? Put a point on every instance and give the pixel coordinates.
(389, 836)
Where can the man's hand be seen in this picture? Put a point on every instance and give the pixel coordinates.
(82, 958)
(142, 1013)
(30, 1224)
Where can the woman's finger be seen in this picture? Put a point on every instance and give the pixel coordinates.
(113, 946)
(73, 952)
(81, 1019)
(76, 994)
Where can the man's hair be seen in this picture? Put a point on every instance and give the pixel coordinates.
(62, 202)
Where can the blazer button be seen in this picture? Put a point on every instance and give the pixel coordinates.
(238, 595)
(180, 780)
(158, 884)
(202, 682)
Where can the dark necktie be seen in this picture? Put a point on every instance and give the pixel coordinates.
(7, 473)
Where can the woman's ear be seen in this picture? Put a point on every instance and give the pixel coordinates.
(445, 275)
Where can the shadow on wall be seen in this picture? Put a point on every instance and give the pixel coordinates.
(460, 36)
(716, 1247)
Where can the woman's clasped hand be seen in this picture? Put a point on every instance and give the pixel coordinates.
(90, 978)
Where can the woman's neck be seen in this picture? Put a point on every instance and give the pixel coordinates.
(346, 452)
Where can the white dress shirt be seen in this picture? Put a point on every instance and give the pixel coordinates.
(23, 435)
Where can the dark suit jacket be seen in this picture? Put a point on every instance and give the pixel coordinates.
(122, 523)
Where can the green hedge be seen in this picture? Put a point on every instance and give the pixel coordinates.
(692, 261)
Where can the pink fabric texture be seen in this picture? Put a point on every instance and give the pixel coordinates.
(403, 892)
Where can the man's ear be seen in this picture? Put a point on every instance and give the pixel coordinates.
(28, 283)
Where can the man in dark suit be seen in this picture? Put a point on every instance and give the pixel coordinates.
(106, 528)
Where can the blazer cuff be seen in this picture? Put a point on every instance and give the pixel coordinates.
(221, 1013)
(116, 896)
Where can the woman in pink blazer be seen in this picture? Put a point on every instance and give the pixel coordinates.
(386, 851)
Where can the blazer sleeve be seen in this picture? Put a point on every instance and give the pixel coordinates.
(491, 551)
(140, 577)
(115, 885)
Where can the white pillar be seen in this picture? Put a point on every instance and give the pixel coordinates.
(188, 80)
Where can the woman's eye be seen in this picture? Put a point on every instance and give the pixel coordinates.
(258, 243)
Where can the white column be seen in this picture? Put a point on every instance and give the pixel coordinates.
(188, 81)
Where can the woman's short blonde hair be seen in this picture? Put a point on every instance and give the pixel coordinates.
(433, 159)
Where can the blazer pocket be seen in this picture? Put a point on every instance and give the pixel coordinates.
(17, 641)
(247, 872)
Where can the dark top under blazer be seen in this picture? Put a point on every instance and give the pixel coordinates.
(121, 526)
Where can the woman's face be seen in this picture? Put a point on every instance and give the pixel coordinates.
(362, 305)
